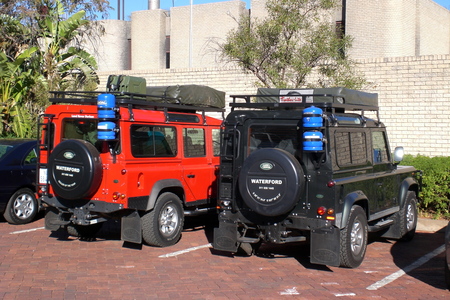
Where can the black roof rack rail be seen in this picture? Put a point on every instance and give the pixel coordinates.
(335, 101)
(127, 99)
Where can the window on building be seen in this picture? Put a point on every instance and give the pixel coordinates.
(167, 51)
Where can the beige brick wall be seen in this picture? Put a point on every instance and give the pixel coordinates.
(148, 30)
(434, 31)
(211, 22)
(390, 28)
(112, 50)
(414, 99)
(414, 95)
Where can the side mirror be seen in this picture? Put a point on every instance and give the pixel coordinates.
(399, 152)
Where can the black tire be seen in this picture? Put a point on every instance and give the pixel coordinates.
(162, 226)
(22, 207)
(75, 169)
(408, 217)
(271, 181)
(354, 239)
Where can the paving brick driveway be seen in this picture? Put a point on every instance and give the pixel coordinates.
(35, 264)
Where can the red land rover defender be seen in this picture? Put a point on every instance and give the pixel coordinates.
(147, 156)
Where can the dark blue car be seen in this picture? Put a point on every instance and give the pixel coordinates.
(18, 202)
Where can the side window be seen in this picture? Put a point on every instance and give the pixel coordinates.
(351, 148)
(379, 145)
(194, 142)
(153, 141)
(216, 141)
(31, 158)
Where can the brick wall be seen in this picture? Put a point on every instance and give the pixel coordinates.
(413, 92)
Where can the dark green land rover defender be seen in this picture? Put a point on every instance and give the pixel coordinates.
(310, 165)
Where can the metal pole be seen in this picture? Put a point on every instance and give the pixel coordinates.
(118, 9)
(190, 37)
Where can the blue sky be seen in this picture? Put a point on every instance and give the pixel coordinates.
(136, 5)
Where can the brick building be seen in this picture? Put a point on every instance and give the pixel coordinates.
(185, 36)
(402, 47)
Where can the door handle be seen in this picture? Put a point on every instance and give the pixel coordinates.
(191, 176)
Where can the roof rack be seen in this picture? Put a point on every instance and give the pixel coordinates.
(328, 102)
(302, 101)
(130, 100)
(327, 98)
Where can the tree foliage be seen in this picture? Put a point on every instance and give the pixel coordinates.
(41, 50)
(296, 39)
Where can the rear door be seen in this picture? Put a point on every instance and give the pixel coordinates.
(198, 164)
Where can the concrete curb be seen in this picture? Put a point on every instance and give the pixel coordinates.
(430, 225)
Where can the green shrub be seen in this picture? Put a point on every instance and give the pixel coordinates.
(435, 195)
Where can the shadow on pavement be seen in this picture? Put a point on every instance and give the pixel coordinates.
(412, 258)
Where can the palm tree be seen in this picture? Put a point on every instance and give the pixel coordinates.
(30, 67)
(63, 62)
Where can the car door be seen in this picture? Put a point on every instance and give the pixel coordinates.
(387, 185)
(198, 167)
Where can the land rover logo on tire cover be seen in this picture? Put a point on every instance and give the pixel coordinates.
(266, 166)
(271, 181)
(69, 154)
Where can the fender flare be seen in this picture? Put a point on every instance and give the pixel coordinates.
(349, 200)
(408, 184)
(158, 187)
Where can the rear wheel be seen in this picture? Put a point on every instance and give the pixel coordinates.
(354, 239)
(22, 207)
(162, 226)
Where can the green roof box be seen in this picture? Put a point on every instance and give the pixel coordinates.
(318, 95)
(192, 94)
(128, 84)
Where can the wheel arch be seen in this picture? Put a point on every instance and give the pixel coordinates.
(353, 198)
(408, 184)
(165, 185)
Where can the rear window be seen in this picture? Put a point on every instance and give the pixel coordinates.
(82, 129)
(273, 136)
(4, 149)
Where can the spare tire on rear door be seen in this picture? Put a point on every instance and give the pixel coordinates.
(271, 181)
(75, 169)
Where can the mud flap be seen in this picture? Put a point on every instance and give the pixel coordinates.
(131, 228)
(394, 231)
(325, 246)
(53, 220)
(225, 237)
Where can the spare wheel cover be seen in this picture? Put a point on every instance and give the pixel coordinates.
(271, 181)
(75, 169)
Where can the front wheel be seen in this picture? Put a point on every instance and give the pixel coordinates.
(354, 239)
(162, 226)
(22, 207)
(408, 217)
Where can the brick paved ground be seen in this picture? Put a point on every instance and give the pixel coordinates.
(38, 265)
